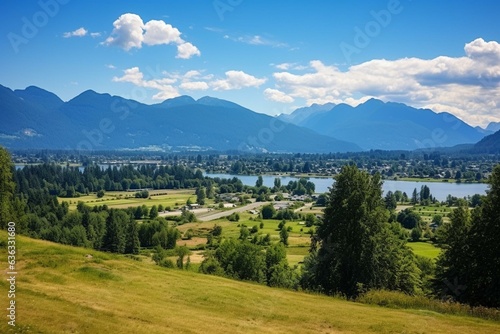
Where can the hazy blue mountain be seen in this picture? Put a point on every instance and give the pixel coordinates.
(300, 114)
(493, 126)
(489, 144)
(39, 97)
(392, 126)
(104, 122)
(485, 132)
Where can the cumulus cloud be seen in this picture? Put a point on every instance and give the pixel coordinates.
(129, 31)
(164, 86)
(194, 85)
(168, 85)
(80, 32)
(237, 80)
(187, 50)
(277, 96)
(158, 32)
(467, 86)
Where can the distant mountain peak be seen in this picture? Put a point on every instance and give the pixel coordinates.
(177, 101)
(39, 96)
(300, 114)
(215, 102)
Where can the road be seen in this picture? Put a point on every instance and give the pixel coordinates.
(221, 214)
(247, 207)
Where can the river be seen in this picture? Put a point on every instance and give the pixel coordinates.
(440, 190)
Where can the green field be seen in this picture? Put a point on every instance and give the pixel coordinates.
(298, 240)
(429, 211)
(424, 249)
(124, 199)
(62, 289)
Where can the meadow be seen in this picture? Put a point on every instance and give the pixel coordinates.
(125, 199)
(424, 249)
(64, 289)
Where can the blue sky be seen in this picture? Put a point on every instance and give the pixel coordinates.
(269, 56)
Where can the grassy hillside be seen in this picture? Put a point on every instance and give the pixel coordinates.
(63, 289)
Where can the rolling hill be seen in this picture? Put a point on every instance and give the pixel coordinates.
(63, 289)
(392, 126)
(35, 118)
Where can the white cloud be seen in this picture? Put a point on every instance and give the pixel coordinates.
(256, 40)
(127, 32)
(277, 96)
(131, 32)
(80, 32)
(164, 86)
(237, 80)
(111, 66)
(187, 50)
(95, 34)
(467, 86)
(194, 85)
(168, 84)
(158, 32)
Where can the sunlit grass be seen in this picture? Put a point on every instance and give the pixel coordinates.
(63, 289)
(123, 199)
(424, 249)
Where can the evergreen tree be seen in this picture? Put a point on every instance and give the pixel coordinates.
(114, 239)
(260, 182)
(132, 244)
(357, 251)
(153, 212)
(453, 263)
(284, 235)
(200, 195)
(469, 268)
(7, 188)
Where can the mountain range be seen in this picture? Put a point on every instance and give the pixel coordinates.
(389, 126)
(36, 118)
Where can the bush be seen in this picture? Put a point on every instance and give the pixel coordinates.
(167, 263)
(394, 299)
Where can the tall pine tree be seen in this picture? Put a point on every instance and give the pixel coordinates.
(357, 249)
(7, 188)
(469, 269)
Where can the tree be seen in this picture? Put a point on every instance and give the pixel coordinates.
(132, 244)
(470, 261)
(409, 219)
(200, 195)
(357, 248)
(416, 234)
(153, 212)
(260, 182)
(268, 211)
(138, 213)
(114, 239)
(100, 194)
(277, 183)
(284, 235)
(390, 201)
(452, 265)
(7, 188)
(244, 233)
(438, 220)
(414, 197)
(182, 252)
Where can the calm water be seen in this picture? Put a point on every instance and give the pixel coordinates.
(440, 190)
